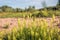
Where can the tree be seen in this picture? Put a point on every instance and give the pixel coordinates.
(19, 10)
(58, 3)
(31, 8)
(6, 8)
(44, 4)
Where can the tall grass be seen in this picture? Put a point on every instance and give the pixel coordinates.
(34, 31)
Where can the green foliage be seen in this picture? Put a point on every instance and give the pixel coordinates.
(43, 13)
(31, 11)
(58, 3)
(34, 32)
(44, 4)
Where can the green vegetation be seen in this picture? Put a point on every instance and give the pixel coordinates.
(33, 32)
(43, 13)
(31, 11)
(58, 2)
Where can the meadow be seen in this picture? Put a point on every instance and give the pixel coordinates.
(34, 26)
(36, 14)
(35, 30)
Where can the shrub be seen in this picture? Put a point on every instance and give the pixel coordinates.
(6, 26)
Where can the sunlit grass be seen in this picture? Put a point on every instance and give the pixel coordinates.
(33, 31)
(36, 30)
